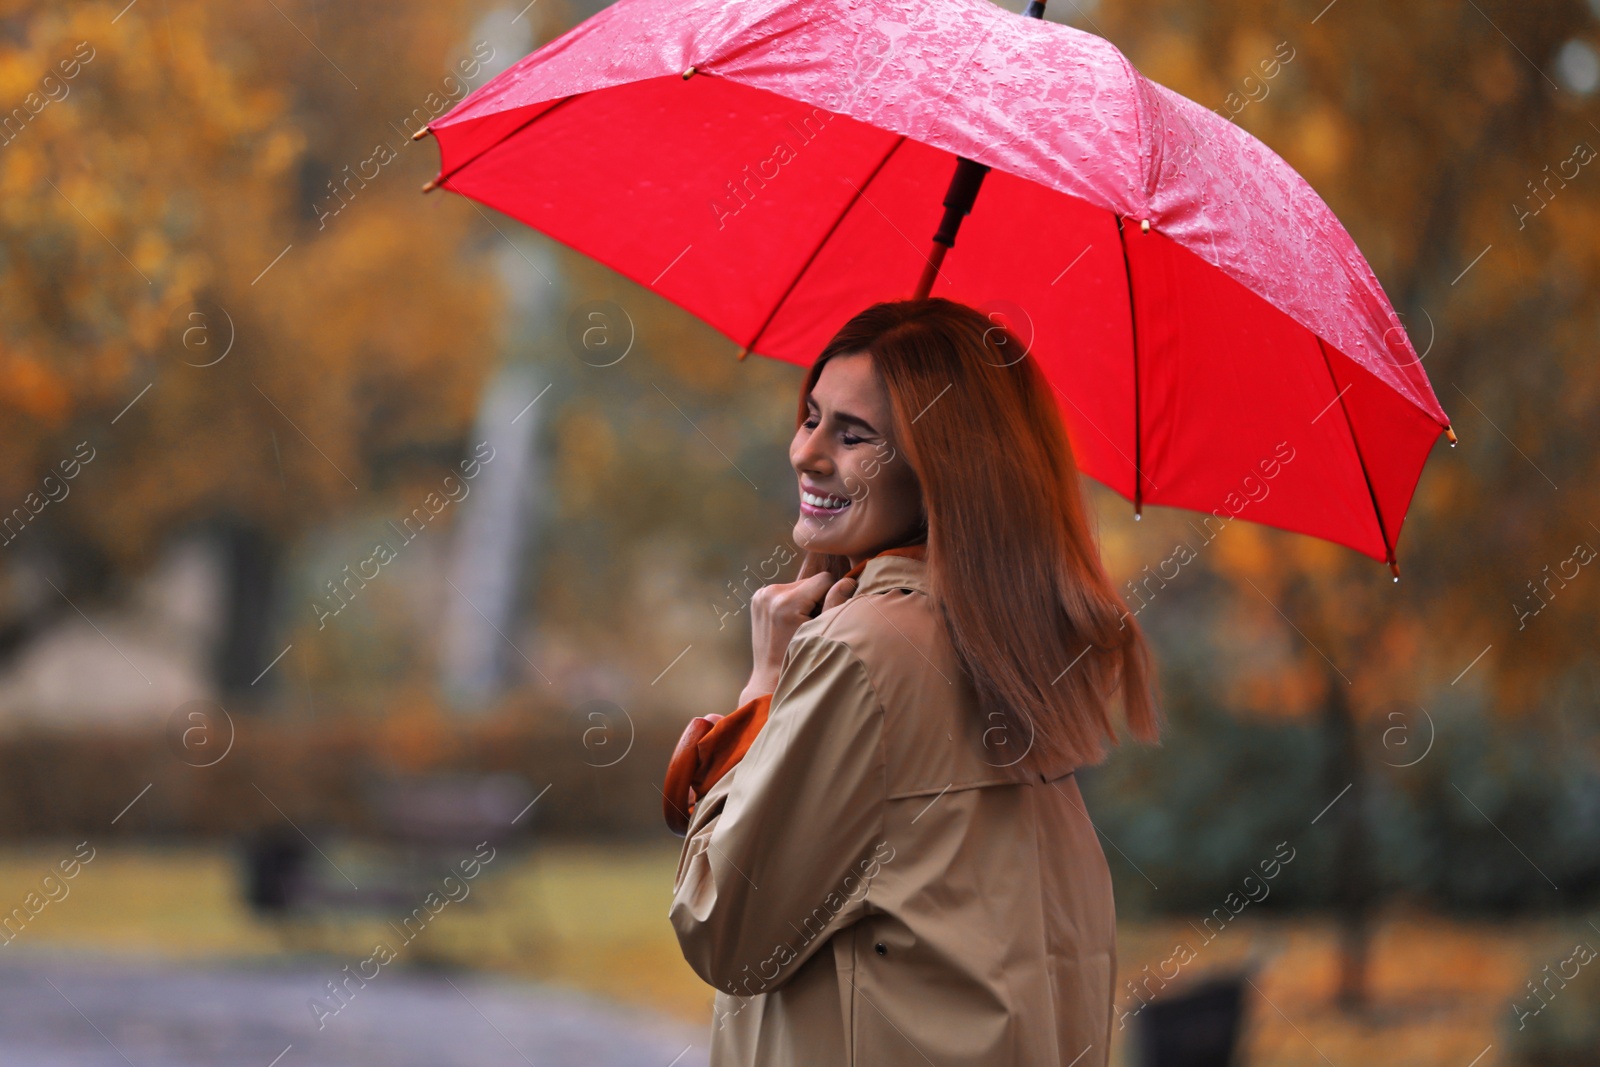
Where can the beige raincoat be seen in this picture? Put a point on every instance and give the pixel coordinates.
(874, 885)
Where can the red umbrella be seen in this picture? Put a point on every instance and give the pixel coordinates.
(1216, 339)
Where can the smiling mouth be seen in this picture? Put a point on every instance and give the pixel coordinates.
(811, 504)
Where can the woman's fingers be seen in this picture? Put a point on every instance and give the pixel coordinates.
(798, 600)
(777, 610)
(838, 593)
(804, 596)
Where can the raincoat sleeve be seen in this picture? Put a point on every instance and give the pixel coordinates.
(782, 850)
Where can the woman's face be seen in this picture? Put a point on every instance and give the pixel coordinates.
(857, 492)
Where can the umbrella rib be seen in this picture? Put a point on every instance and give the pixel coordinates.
(861, 191)
(1376, 511)
(1133, 329)
(442, 178)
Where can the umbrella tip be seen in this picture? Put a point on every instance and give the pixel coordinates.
(1394, 569)
(745, 351)
(1451, 436)
(420, 134)
(430, 185)
(688, 74)
(1144, 225)
(1136, 515)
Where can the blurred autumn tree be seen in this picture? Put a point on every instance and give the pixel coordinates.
(215, 268)
(1433, 129)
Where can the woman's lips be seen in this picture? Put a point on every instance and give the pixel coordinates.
(817, 505)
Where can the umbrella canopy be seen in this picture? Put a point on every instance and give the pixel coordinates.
(1216, 340)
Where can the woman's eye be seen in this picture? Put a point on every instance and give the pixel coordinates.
(811, 423)
(851, 439)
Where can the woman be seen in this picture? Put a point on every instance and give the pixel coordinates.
(888, 860)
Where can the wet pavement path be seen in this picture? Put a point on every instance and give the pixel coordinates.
(88, 1012)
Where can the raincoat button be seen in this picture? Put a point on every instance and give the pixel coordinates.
(881, 949)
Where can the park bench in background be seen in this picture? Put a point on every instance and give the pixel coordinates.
(427, 827)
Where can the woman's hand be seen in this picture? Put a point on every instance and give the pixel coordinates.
(776, 612)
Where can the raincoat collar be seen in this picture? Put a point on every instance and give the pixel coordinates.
(900, 567)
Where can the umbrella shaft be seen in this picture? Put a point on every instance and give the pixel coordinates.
(958, 199)
(929, 272)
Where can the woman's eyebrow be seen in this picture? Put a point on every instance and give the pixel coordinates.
(843, 416)
(855, 420)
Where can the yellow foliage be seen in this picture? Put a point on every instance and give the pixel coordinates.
(588, 452)
(32, 388)
(1321, 144)
(1242, 549)
(163, 180)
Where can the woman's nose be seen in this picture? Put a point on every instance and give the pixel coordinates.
(808, 455)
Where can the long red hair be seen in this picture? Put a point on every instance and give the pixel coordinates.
(1013, 564)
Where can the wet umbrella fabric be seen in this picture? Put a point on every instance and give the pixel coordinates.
(1216, 340)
